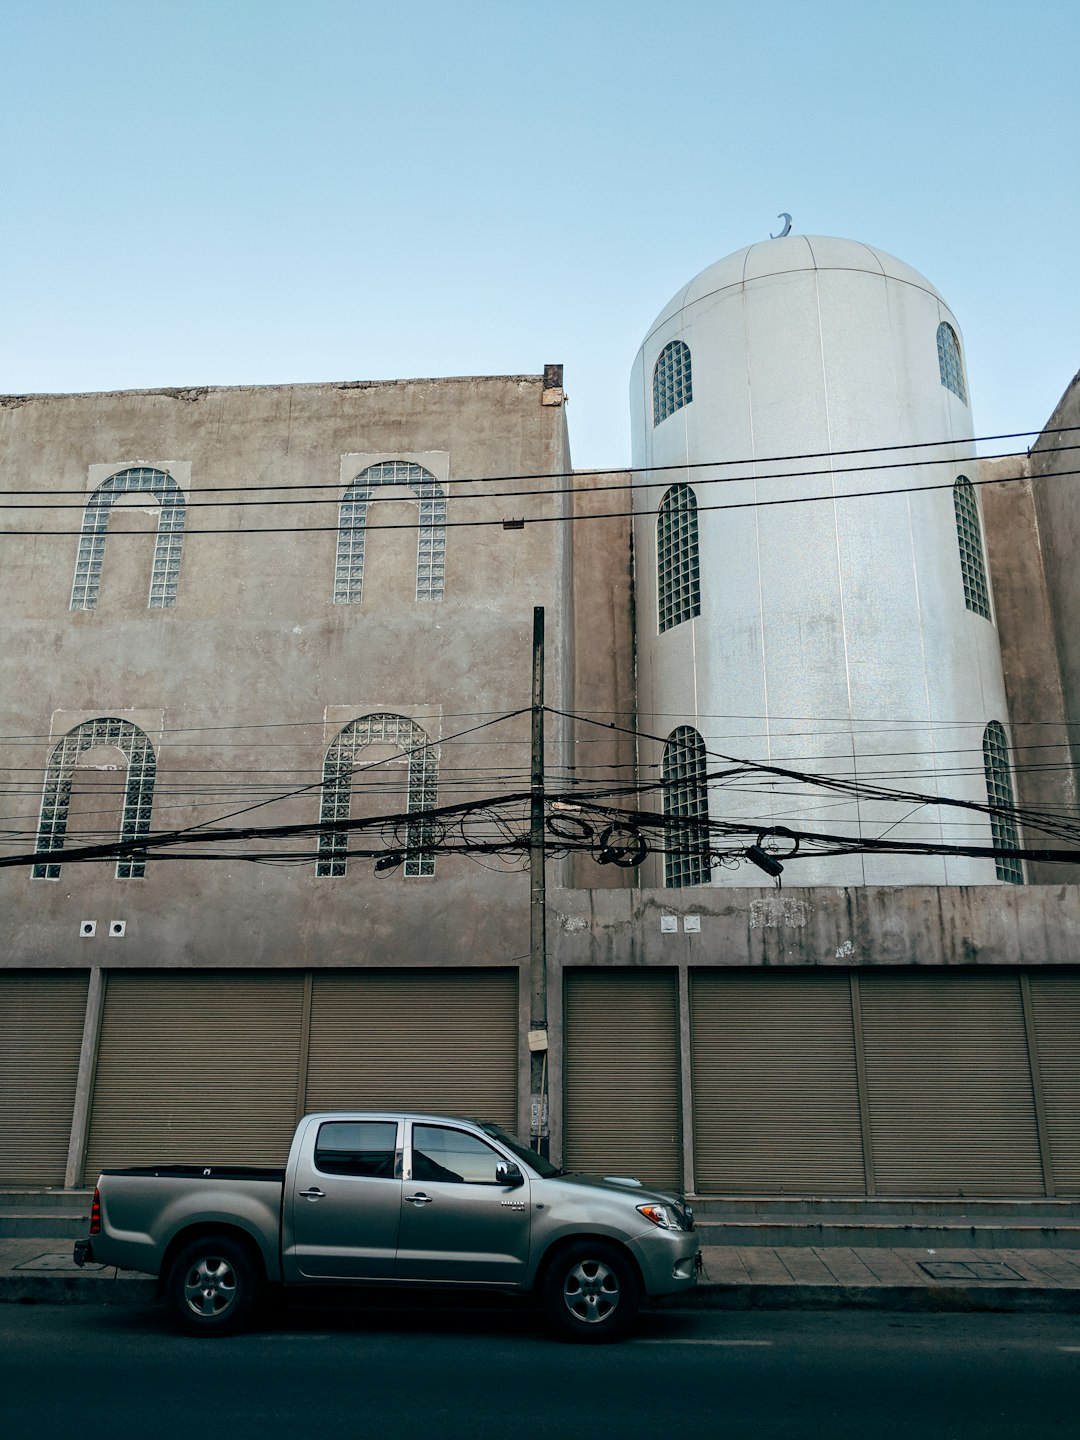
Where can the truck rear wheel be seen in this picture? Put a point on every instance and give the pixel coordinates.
(591, 1292)
(212, 1286)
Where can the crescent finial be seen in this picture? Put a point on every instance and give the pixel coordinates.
(787, 226)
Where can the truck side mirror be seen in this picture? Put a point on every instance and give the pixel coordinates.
(507, 1173)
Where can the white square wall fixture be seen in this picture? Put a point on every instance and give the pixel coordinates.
(87, 929)
(117, 928)
(669, 924)
(692, 924)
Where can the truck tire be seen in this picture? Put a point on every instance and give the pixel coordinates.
(212, 1286)
(591, 1292)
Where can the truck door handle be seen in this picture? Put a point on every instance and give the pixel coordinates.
(420, 1198)
(313, 1194)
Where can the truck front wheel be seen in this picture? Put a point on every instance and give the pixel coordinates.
(212, 1286)
(591, 1291)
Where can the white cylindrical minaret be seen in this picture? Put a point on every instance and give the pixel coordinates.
(842, 636)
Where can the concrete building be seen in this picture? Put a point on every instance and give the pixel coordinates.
(321, 609)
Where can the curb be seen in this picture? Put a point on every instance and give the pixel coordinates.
(930, 1299)
(133, 1289)
(16, 1289)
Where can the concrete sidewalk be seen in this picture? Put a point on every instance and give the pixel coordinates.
(737, 1277)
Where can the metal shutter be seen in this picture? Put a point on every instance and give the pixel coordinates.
(41, 1026)
(1055, 1002)
(622, 1075)
(775, 1085)
(445, 1041)
(949, 1084)
(196, 1067)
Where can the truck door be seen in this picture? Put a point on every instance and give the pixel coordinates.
(458, 1221)
(344, 1205)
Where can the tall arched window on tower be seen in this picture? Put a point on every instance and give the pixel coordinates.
(341, 765)
(969, 536)
(352, 529)
(672, 384)
(999, 793)
(677, 569)
(105, 733)
(686, 801)
(164, 576)
(949, 364)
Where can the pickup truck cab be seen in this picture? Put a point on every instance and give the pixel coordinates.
(385, 1198)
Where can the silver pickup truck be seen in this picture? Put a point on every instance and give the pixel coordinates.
(388, 1198)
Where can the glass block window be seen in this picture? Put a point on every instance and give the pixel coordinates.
(352, 530)
(948, 356)
(138, 791)
(170, 536)
(678, 574)
(338, 769)
(969, 535)
(686, 853)
(672, 386)
(999, 793)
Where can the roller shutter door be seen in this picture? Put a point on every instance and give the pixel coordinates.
(1055, 1003)
(775, 1085)
(949, 1084)
(445, 1041)
(196, 1067)
(41, 1026)
(622, 1075)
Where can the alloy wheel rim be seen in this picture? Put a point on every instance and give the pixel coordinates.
(591, 1291)
(210, 1286)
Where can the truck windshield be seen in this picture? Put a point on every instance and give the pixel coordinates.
(531, 1157)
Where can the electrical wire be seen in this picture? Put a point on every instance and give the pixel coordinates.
(751, 460)
(572, 518)
(376, 497)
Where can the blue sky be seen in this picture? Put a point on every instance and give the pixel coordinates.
(252, 191)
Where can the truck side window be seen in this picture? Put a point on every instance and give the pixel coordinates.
(357, 1147)
(451, 1155)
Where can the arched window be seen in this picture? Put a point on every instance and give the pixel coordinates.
(969, 535)
(170, 536)
(999, 793)
(138, 790)
(678, 573)
(686, 852)
(352, 529)
(672, 387)
(948, 356)
(341, 763)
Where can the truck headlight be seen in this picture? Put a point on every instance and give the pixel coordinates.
(661, 1215)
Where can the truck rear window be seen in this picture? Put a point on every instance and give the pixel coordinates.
(357, 1147)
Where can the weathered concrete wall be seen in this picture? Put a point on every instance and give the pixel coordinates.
(857, 925)
(1042, 772)
(246, 681)
(602, 748)
(1054, 467)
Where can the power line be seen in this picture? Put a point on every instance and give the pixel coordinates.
(572, 519)
(458, 495)
(649, 469)
(514, 523)
(856, 788)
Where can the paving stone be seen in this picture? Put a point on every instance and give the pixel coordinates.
(804, 1266)
(845, 1266)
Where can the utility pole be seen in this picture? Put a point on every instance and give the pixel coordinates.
(538, 1052)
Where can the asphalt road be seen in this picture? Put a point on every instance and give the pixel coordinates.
(486, 1371)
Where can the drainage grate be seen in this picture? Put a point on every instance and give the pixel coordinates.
(969, 1270)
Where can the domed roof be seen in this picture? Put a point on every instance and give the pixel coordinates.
(793, 252)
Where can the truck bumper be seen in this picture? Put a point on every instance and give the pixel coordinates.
(669, 1261)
